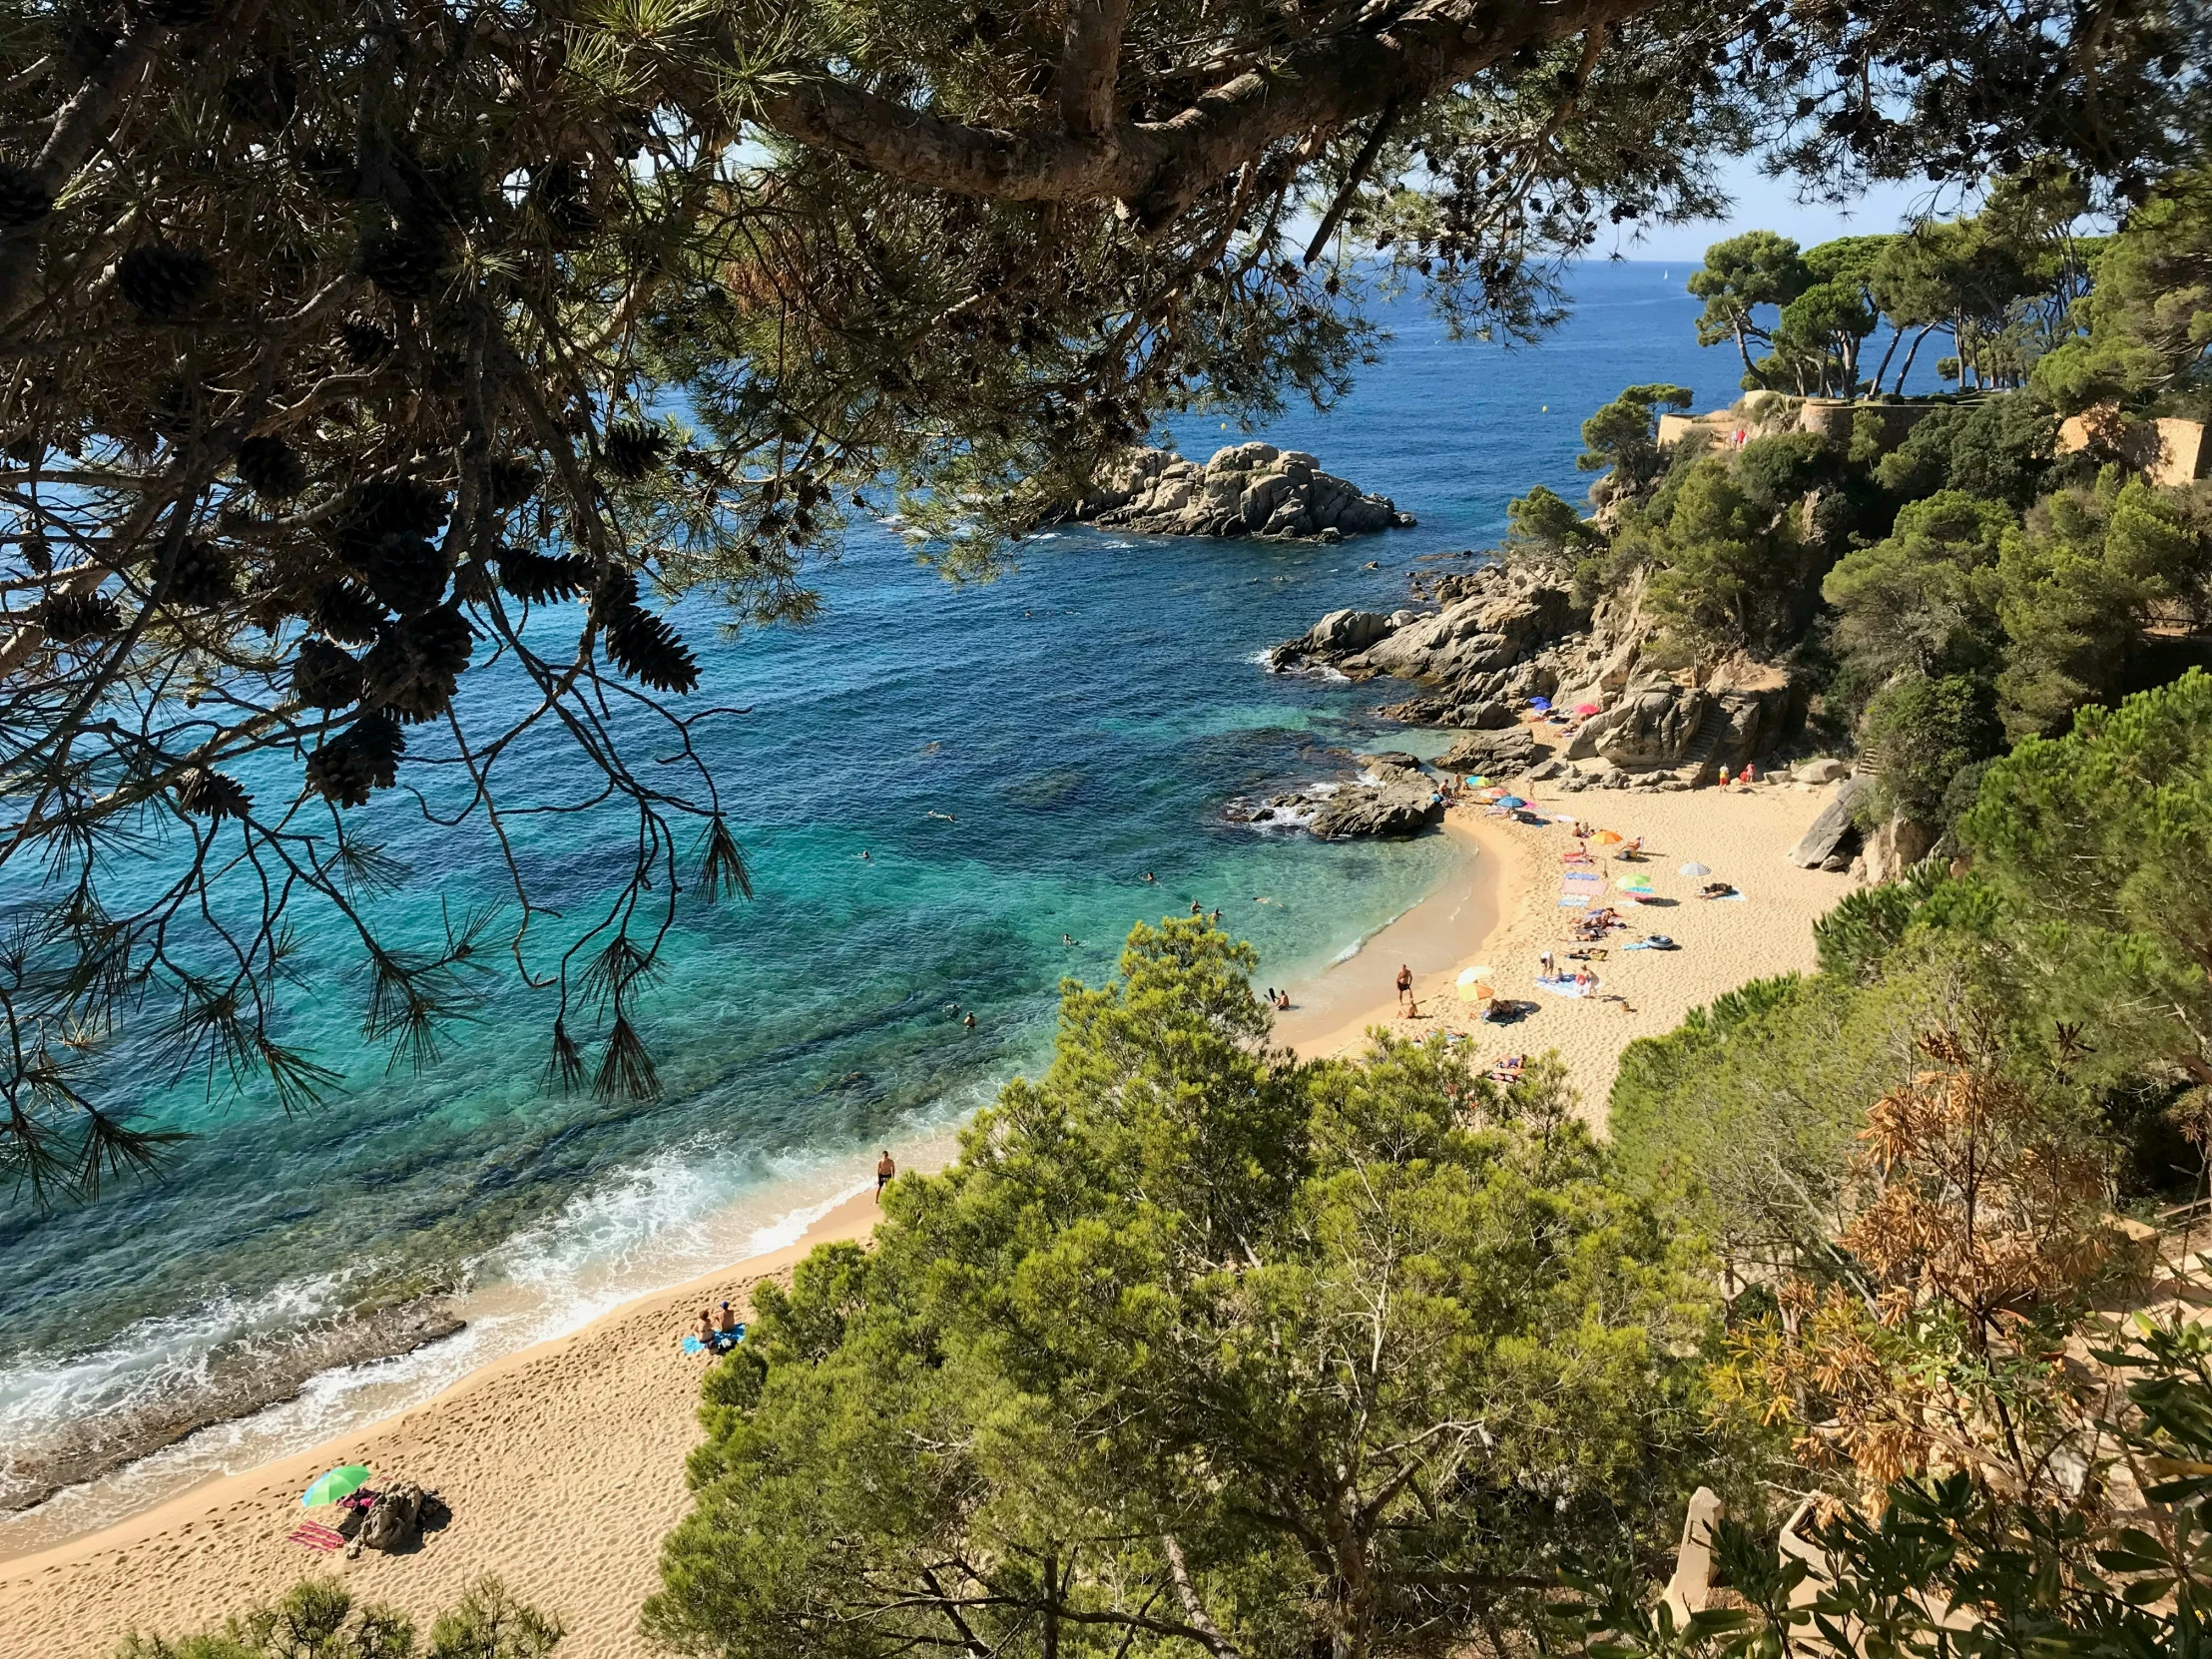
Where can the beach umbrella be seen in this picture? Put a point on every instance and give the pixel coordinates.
(1635, 883)
(1539, 701)
(342, 1481)
(1468, 976)
(1485, 993)
(1586, 707)
(1511, 801)
(1608, 838)
(1694, 869)
(1478, 782)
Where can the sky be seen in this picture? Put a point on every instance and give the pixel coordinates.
(1771, 205)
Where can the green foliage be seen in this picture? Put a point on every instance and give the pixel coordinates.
(2150, 315)
(2079, 582)
(1776, 471)
(2100, 844)
(1738, 276)
(1544, 528)
(1196, 1346)
(1919, 733)
(1623, 437)
(1919, 600)
(1758, 1099)
(1999, 448)
(318, 1619)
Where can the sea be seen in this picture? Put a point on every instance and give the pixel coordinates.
(1012, 758)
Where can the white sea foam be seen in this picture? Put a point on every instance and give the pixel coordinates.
(685, 1212)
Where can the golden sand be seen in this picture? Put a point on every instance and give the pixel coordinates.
(564, 1464)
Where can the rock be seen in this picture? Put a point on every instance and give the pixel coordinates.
(1394, 809)
(1547, 770)
(1485, 717)
(1896, 848)
(1247, 490)
(1825, 769)
(1499, 754)
(1834, 837)
(394, 1521)
(1390, 759)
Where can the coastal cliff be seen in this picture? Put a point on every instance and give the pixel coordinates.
(1502, 637)
(1248, 489)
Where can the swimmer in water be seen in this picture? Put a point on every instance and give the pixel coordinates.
(969, 1022)
(1149, 877)
(947, 816)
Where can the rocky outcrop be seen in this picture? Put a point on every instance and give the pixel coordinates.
(1833, 839)
(1249, 489)
(1502, 754)
(1895, 847)
(1393, 796)
(1505, 635)
(1696, 730)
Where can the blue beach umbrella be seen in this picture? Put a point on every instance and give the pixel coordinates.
(1511, 801)
(1539, 701)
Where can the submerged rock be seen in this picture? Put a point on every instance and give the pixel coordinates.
(1248, 489)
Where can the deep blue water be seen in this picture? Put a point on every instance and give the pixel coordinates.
(1082, 719)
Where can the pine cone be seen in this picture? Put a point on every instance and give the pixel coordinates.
(358, 760)
(271, 467)
(69, 617)
(265, 98)
(632, 450)
(201, 576)
(324, 677)
(648, 649)
(617, 592)
(22, 200)
(164, 281)
(558, 195)
(407, 262)
(539, 577)
(416, 667)
(344, 611)
(510, 480)
(388, 506)
(364, 344)
(407, 572)
(208, 793)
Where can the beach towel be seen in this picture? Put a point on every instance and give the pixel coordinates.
(1566, 987)
(1727, 896)
(315, 1536)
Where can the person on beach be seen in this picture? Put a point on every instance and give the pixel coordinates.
(1283, 999)
(703, 1328)
(1405, 989)
(1543, 966)
(885, 1170)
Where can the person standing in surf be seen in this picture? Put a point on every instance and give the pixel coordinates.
(885, 1170)
(1405, 1001)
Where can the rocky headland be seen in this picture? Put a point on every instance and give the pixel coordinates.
(1248, 489)
(1501, 636)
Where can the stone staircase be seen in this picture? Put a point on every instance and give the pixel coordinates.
(1696, 764)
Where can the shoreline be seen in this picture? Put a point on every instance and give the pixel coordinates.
(1332, 1010)
(602, 1417)
(457, 1442)
(1741, 834)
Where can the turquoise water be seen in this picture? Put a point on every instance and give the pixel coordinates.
(1083, 719)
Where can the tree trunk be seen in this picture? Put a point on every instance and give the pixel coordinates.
(1906, 370)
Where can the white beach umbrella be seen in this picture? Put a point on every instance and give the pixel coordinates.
(1468, 976)
(1693, 867)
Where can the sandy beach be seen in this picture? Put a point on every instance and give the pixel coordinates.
(564, 1463)
(1505, 912)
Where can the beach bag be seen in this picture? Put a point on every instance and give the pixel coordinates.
(395, 1521)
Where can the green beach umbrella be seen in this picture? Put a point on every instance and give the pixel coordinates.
(342, 1481)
